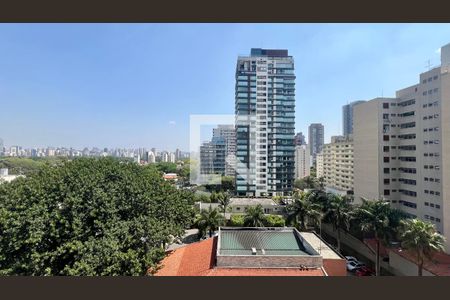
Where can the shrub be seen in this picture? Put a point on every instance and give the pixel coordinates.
(237, 220)
(275, 221)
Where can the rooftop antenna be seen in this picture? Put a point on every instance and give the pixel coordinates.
(429, 65)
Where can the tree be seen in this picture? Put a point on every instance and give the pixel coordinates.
(308, 182)
(254, 216)
(376, 217)
(166, 167)
(303, 211)
(337, 213)
(275, 221)
(228, 183)
(321, 184)
(209, 220)
(89, 217)
(224, 200)
(422, 239)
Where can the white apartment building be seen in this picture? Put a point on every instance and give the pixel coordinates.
(302, 161)
(337, 164)
(402, 148)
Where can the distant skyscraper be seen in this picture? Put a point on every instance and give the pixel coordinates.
(265, 123)
(315, 139)
(165, 157)
(171, 157)
(178, 155)
(1, 147)
(212, 156)
(299, 139)
(151, 157)
(228, 133)
(347, 117)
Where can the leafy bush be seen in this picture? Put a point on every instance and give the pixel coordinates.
(237, 220)
(275, 221)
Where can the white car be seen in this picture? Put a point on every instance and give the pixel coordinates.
(354, 265)
(350, 258)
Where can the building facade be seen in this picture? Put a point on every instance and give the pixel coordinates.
(299, 139)
(302, 161)
(402, 148)
(212, 156)
(337, 164)
(228, 133)
(315, 139)
(319, 165)
(265, 123)
(347, 117)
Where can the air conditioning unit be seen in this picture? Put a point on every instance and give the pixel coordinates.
(253, 251)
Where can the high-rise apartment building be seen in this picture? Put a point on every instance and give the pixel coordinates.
(347, 117)
(265, 123)
(299, 139)
(302, 161)
(228, 133)
(212, 156)
(402, 148)
(315, 139)
(337, 164)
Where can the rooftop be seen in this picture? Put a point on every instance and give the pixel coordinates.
(197, 259)
(265, 242)
(252, 201)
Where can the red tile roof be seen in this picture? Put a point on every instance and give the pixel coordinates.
(197, 259)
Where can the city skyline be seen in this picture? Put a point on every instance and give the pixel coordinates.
(101, 85)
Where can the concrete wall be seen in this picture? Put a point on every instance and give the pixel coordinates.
(403, 266)
(266, 261)
(366, 140)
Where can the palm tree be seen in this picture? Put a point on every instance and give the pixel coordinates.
(421, 237)
(209, 220)
(338, 214)
(224, 201)
(254, 216)
(376, 217)
(303, 211)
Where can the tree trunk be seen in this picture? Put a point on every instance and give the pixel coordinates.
(339, 240)
(210, 233)
(419, 265)
(377, 264)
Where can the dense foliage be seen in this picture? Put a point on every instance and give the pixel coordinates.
(89, 217)
(28, 166)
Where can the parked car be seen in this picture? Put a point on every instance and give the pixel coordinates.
(352, 266)
(350, 258)
(364, 271)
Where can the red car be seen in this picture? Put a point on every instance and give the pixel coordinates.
(364, 271)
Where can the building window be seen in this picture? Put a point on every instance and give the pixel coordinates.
(385, 105)
(386, 159)
(387, 192)
(385, 137)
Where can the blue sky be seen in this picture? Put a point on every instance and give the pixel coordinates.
(135, 85)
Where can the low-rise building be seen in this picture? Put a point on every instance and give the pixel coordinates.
(255, 252)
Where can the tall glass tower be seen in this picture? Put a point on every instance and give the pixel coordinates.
(265, 123)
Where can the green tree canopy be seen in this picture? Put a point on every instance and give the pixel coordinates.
(254, 216)
(89, 217)
(422, 239)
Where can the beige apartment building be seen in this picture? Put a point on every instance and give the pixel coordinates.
(402, 148)
(319, 165)
(302, 161)
(337, 164)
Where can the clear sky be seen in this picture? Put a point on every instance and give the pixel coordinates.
(135, 85)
